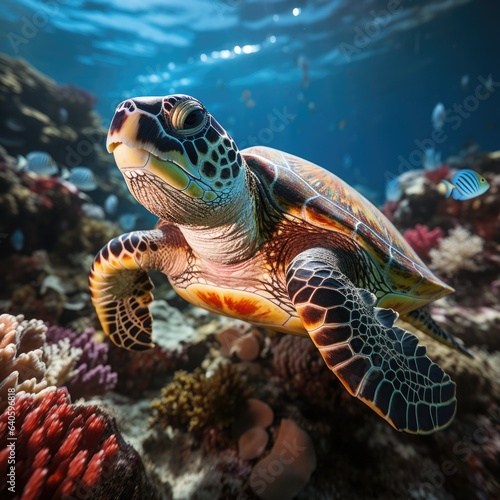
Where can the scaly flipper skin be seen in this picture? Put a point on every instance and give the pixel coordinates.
(422, 319)
(380, 364)
(121, 289)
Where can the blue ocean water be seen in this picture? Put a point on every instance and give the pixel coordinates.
(348, 85)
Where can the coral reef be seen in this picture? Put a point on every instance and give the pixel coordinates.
(456, 252)
(476, 326)
(22, 368)
(299, 367)
(65, 450)
(423, 240)
(34, 357)
(207, 438)
(288, 467)
(193, 402)
(91, 375)
(43, 116)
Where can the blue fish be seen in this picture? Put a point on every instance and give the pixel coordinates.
(438, 116)
(127, 221)
(83, 178)
(17, 240)
(93, 211)
(41, 163)
(466, 184)
(111, 204)
(393, 191)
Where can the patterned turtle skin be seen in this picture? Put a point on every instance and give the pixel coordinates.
(275, 240)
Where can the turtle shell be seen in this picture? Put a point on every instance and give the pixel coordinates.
(306, 191)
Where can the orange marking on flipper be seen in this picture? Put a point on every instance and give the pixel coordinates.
(210, 298)
(245, 307)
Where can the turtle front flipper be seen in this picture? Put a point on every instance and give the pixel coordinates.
(422, 319)
(121, 289)
(380, 364)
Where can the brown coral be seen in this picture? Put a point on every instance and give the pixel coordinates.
(298, 363)
(21, 356)
(193, 402)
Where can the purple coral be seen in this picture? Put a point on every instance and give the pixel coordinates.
(93, 375)
(423, 240)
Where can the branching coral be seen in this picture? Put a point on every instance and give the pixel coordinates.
(422, 239)
(92, 375)
(64, 450)
(456, 252)
(28, 363)
(193, 402)
(60, 359)
(21, 356)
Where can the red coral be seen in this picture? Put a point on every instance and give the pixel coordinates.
(436, 176)
(63, 449)
(422, 239)
(389, 208)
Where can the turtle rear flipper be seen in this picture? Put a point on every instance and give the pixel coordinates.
(121, 289)
(424, 322)
(380, 364)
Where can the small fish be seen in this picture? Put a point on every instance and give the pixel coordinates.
(111, 204)
(438, 116)
(127, 221)
(17, 240)
(21, 164)
(83, 178)
(393, 190)
(466, 184)
(41, 163)
(304, 69)
(63, 115)
(15, 125)
(432, 159)
(464, 81)
(347, 161)
(93, 211)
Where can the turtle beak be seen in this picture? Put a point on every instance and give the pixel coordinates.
(123, 129)
(126, 157)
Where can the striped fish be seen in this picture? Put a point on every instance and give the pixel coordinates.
(466, 184)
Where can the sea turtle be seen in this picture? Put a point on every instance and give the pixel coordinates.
(273, 239)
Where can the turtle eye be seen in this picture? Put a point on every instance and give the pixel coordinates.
(188, 117)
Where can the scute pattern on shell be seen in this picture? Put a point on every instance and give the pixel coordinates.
(310, 193)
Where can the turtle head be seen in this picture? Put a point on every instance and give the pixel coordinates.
(175, 157)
